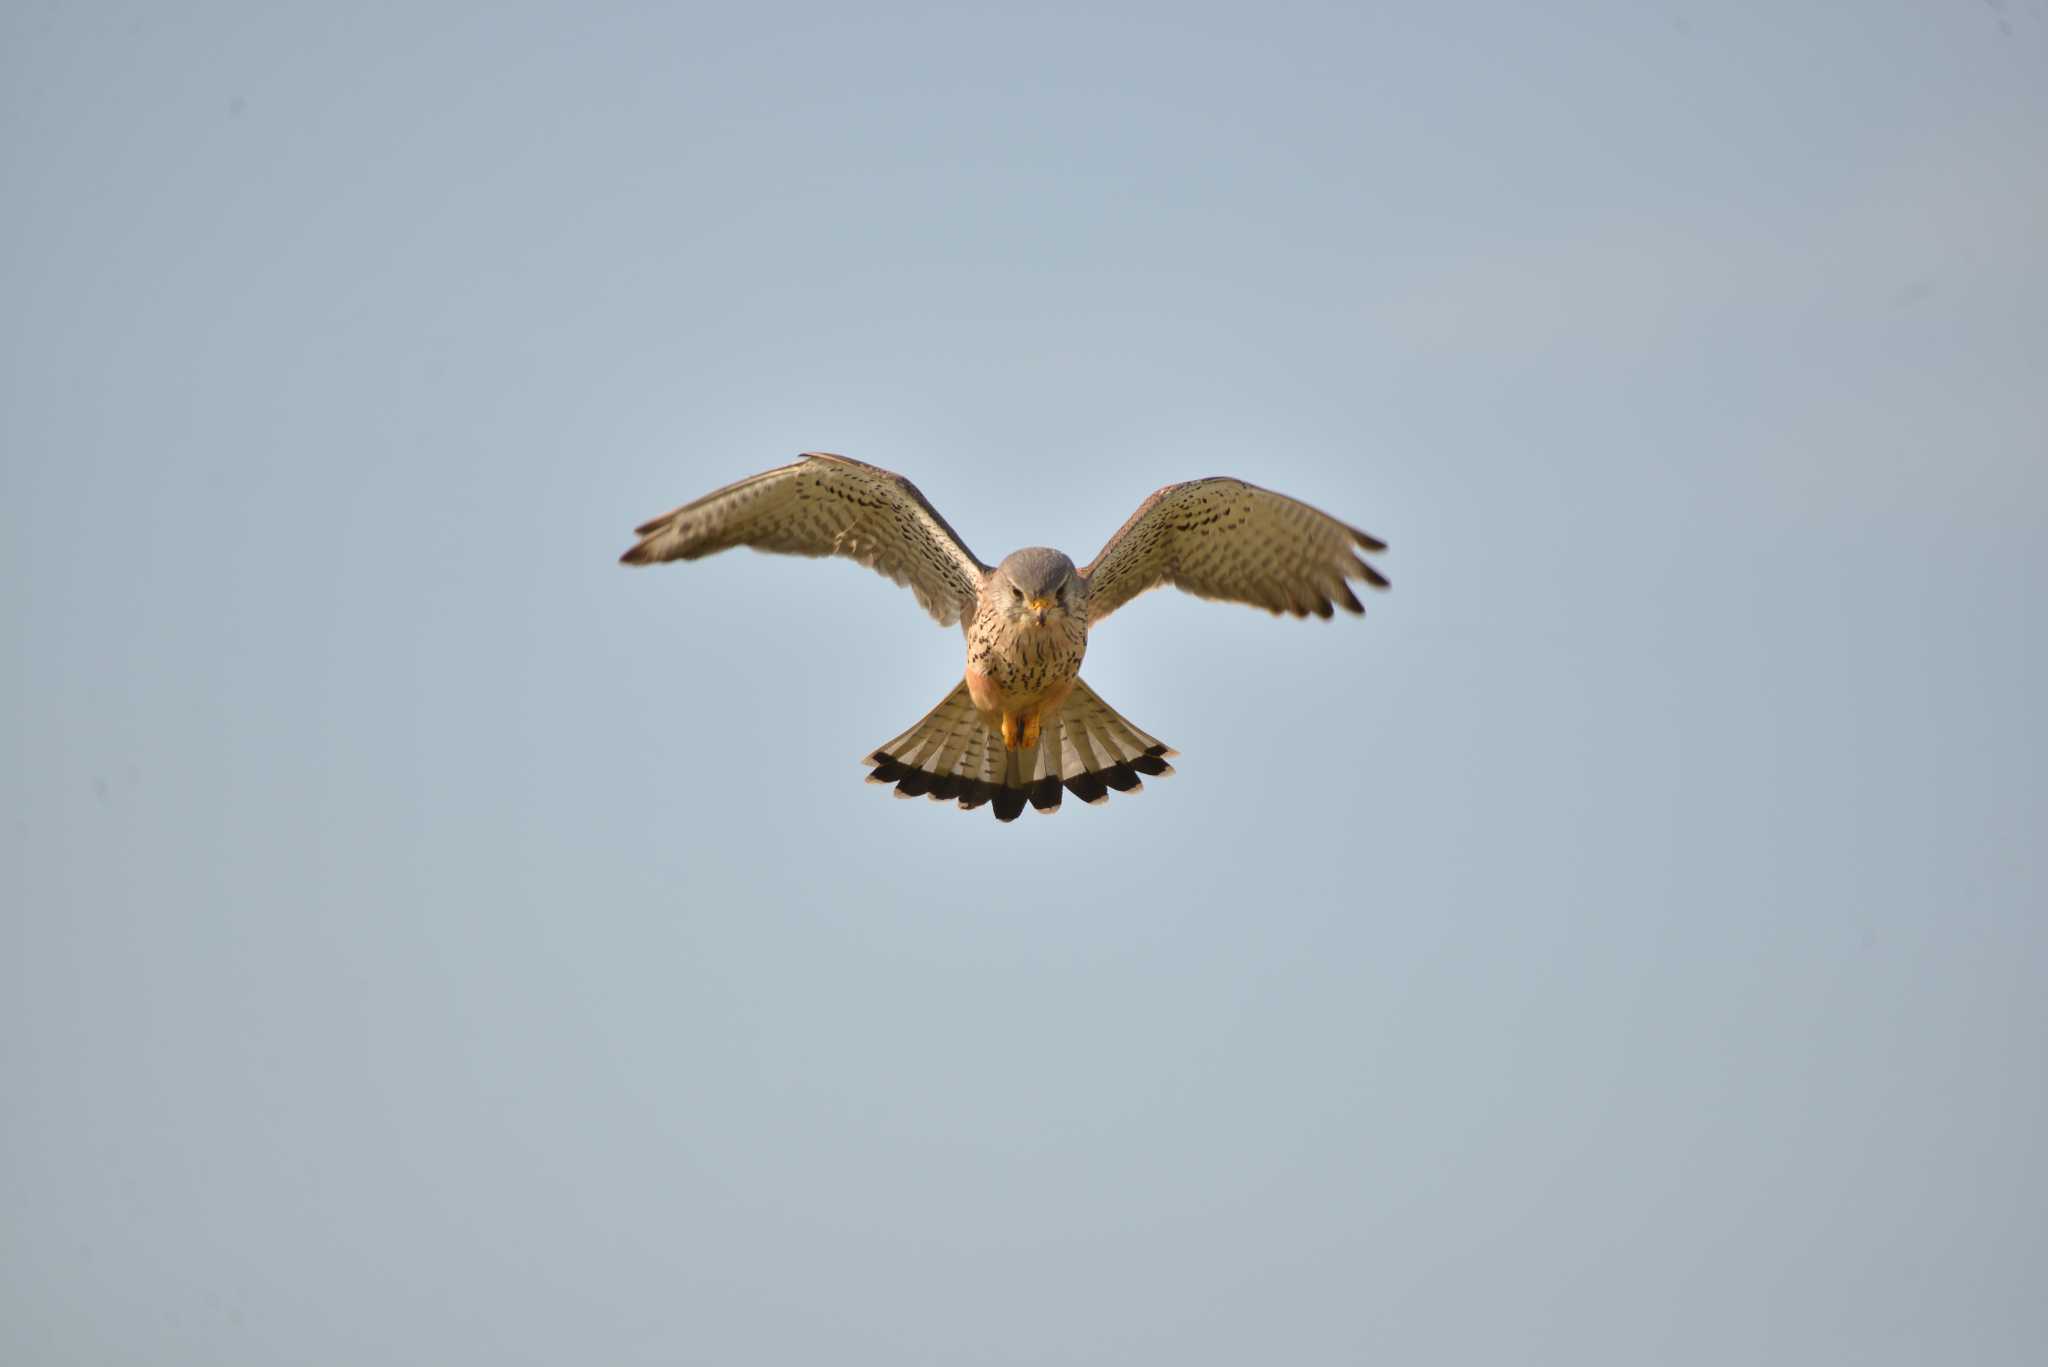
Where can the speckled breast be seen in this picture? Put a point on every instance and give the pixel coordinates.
(1031, 659)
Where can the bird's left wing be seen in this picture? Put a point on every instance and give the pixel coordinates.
(827, 505)
(1223, 538)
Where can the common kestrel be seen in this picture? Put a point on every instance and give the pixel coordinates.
(1022, 724)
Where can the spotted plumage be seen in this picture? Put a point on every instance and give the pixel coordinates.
(1021, 726)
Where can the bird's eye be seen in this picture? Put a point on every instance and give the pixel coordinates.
(1017, 594)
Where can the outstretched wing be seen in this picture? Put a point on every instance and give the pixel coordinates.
(827, 505)
(1223, 538)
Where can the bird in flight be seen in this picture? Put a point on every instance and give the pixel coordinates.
(1021, 725)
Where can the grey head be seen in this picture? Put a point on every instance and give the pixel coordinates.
(1036, 570)
(1032, 585)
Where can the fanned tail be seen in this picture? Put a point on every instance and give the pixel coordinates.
(1086, 748)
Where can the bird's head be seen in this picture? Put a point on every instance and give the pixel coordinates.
(1035, 585)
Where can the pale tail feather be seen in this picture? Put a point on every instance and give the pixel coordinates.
(1086, 749)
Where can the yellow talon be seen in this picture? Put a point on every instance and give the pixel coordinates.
(1010, 741)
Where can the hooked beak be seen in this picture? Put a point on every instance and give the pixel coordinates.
(1039, 607)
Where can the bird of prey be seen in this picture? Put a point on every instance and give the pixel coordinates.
(1021, 724)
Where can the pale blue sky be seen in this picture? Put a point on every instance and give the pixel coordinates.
(1624, 946)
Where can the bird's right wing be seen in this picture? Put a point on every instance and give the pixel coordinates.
(827, 505)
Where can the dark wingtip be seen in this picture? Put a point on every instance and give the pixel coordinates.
(1008, 804)
(1371, 575)
(1045, 794)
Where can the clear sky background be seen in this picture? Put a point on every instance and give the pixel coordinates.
(1626, 945)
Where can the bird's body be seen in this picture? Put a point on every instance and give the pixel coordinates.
(1021, 725)
(1025, 642)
